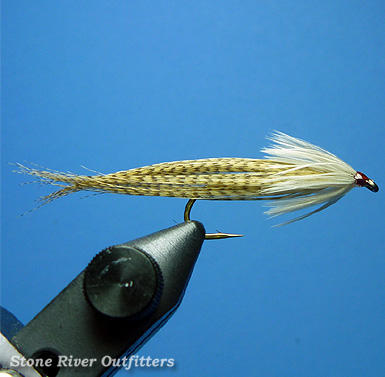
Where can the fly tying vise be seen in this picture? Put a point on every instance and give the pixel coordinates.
(294, 175)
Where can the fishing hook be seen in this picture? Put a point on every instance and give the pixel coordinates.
(208, 236)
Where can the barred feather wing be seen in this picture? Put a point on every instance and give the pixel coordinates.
(295, 175)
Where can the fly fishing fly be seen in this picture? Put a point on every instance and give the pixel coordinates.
(294, 175)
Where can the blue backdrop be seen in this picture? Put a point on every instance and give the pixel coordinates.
(113, 85)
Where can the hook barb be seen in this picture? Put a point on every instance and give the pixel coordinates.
(208, 236)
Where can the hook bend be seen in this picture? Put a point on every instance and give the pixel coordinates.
(208, 236)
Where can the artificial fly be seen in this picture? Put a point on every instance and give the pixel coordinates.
(293, 176)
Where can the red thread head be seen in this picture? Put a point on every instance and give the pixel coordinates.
(362, 180)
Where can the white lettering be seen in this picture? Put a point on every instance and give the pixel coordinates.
(20, 361)
(62, 361)
(134, 357)
(170, 363)
(134, 361)
(143, 362)
(106, 361)
(30, 362)
(42, 363)
(92, 361)
(15, 361)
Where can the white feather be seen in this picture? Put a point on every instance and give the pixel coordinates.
(294, 190)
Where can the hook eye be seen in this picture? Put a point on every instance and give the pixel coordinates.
(369, 184)
(364, 181)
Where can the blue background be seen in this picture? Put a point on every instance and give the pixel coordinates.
(114, 85)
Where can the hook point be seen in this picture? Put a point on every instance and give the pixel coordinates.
(208, 236)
